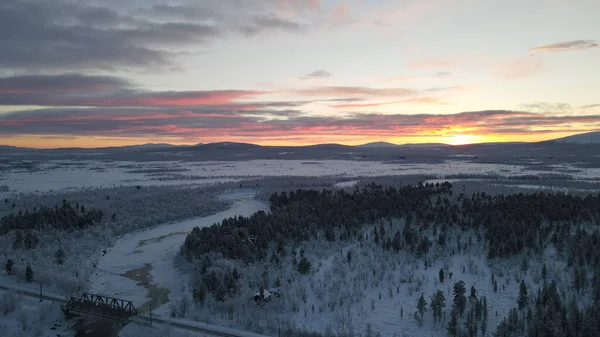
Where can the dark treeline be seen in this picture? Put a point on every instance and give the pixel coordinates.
(303, 214)
(547, 314)
(65, 217)
(512, 222)
(518, 221)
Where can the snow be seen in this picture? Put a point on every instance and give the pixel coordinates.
(33, 318)
(170, 329)
(157, 247)
(344, 184)
(28, 288)
(62, 174)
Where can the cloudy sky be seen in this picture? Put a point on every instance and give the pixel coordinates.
(117, 72)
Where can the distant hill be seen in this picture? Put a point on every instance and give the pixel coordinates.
(420, 145)
(228, 146)
(378, 144)
(583, 138)
(151, 146)
(563, 148)
(392, 145)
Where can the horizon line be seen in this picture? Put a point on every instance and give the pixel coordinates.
(307, 145)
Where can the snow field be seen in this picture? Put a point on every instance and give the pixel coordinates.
(30, 318)
(65, 175)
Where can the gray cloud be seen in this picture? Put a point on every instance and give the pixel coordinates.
(81, 90)
(84, 90)
(591, 106)
(566, 46)
(264, 23)
(68, 34)
(59, 83)
(547, 107)
(316, 74)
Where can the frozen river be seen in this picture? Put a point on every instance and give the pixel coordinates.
(139, 267)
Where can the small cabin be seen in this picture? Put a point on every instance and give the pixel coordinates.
(265, 295)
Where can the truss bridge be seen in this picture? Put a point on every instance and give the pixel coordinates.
(102, 306)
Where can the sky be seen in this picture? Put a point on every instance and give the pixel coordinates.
(296, 72)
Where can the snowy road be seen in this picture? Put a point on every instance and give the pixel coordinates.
(140, 265)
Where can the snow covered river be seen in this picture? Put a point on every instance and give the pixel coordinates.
(139, 267)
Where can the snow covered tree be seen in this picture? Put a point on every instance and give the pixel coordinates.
(28, 274)
(8, 267)
(544, 272)
(441, 275)
(18, 240)
(329, 234)
(522, 300)
(438, 302)
(200, 294)
(304, 266)
(460, 300)
(421, 305)
(473, 296)
(453, 322)
(471, 324)
(60, 256)
(579, 279)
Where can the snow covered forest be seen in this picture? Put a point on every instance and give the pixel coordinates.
(59, 237)
(407, 260)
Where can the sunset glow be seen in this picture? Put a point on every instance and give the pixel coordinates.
(298, 72)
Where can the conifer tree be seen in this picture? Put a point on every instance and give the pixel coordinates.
(453, 322)
(60, 256)
(421, 305)
(8, 267)
(522, 300)
(29, 274)
(460, 300)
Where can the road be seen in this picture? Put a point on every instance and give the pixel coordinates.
(207, 329)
